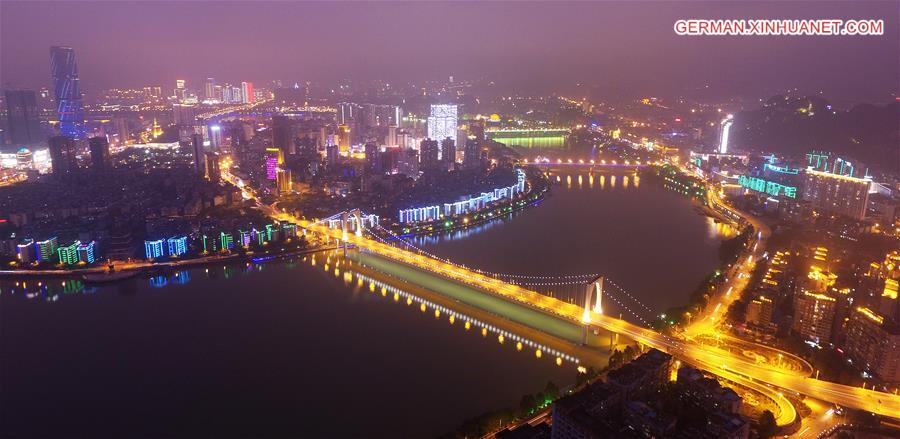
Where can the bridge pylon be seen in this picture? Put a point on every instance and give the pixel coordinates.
(593, 302)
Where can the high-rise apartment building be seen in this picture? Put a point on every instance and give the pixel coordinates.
(99, 147)
(63, 158)
(247, 92)
(873, 343)
(814, 316)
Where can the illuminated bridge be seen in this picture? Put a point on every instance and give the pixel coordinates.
(588, 312)
(355, 230)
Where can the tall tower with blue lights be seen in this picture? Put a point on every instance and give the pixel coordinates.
(64, 73)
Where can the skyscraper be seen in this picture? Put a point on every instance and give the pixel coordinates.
(429, 155)
(22, 117)
(247, 92)
(64, 73)
(62, 155)
(442, 123)
(99, 153)
(199, 154)
(725, 133)
(448, 153)
(210, 89)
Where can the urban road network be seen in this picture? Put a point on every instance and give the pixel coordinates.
(764, 378)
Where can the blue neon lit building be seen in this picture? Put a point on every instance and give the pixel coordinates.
(153, 249)
(177, 245)
(86, 252)
(64, 74)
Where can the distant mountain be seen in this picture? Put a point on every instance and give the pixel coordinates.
(794, 126)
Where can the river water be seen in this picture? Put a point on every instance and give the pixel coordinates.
(289, 349)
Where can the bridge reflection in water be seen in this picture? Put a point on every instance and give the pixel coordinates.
(518, 325)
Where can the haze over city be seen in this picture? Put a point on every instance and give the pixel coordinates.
(510, 220)
(625, 48)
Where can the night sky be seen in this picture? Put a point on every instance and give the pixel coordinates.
(630, 48)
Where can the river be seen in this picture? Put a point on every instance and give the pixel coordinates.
(289, 349)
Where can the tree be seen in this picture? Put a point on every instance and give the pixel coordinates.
(551, 391)
(766, 425)
(526, 405)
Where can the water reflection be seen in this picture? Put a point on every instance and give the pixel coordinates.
(468, 322)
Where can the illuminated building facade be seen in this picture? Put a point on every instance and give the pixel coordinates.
(759, 311)
(177, 245)
(814, 316)
(442, 123)
(725, 133)
(471, 204)
(873, 343)
(247, 92)
(27, 252)
(226, 241)
(86, 252)
(272, 155)
(840, 194)
(47, 249)
(244, 238)
(283, 183)
(70, 108)
(68, 255)
(154, 249)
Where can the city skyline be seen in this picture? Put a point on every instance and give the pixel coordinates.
(531, 45)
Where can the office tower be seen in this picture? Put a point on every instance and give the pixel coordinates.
(344, 138)
(814, 316)
(725, 133)
(62, 155)
(199, 154)
(64, 74)
(344, 113)
(99, 147)
(212, 166)
(873, 343)
(373, 161)
(22, 118)
(209, 89)
(442, 123)
(272, 156)
(429, 155)
(448, 153)
(247, 92)
(283, 183)
(832, 192)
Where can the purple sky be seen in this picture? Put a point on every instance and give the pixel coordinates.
(621, 46)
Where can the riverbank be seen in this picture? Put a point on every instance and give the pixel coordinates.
(112, 271)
